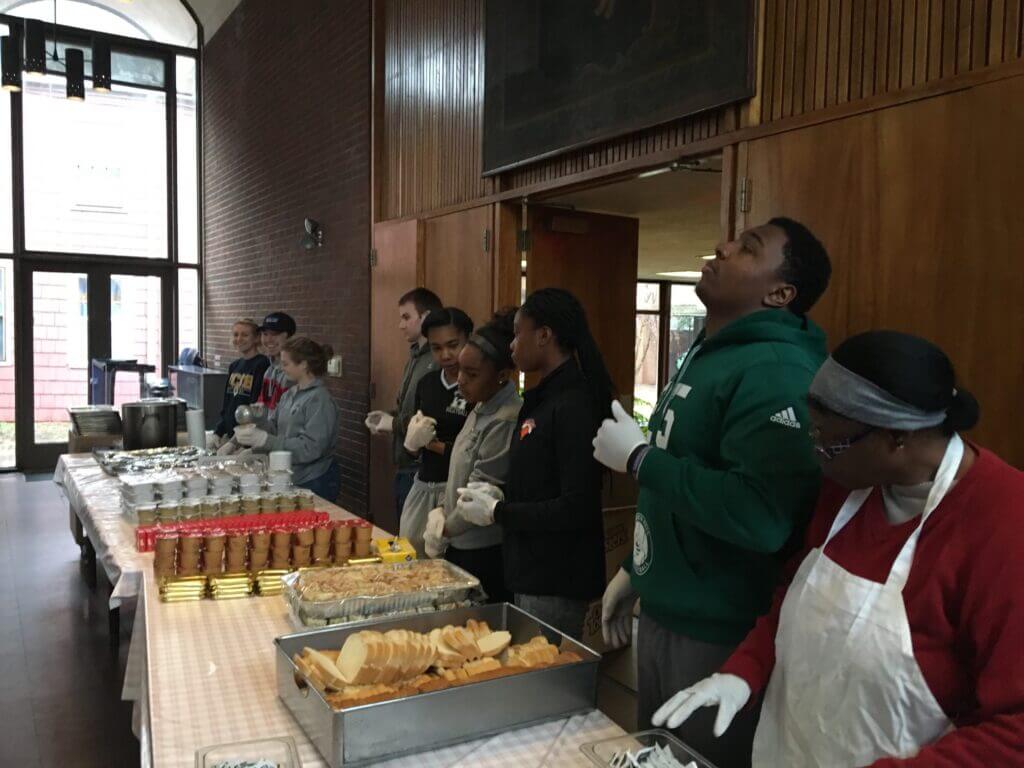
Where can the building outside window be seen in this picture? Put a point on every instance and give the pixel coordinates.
(669, 316)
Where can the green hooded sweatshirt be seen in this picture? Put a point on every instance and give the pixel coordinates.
(731, 479)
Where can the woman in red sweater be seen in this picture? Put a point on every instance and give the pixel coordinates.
(898, 637)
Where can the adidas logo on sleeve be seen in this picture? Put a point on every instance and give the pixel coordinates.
(787, 418)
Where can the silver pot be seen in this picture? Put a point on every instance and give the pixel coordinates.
(150, 423)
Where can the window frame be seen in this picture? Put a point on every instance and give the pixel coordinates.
(168, 266)
(664, 313)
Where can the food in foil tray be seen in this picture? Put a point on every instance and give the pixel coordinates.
(340, 595)
(263, 753)
(647, 749)
(377, 666)
(648, 757)
(116, 462)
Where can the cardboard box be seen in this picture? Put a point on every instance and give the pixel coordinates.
(618, 545)
(85, 443)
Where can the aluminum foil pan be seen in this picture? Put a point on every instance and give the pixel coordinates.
(116, 462)
(340, 595)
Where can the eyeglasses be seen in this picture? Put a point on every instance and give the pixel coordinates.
(829, 452)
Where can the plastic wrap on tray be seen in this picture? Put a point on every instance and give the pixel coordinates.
(340, 595)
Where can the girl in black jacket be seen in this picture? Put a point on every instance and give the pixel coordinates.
(550, 509)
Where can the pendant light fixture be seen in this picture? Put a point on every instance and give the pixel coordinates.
(74, 69)
(36, 57)
(101, 66)
(10, 62)
(35, 47)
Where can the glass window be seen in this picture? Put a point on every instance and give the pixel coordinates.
(6, 184)
(95, 171)
(60, 351)
(188, 309)
(7, 424)
(188, 179)
(685, 322)
(136, 69)
(58, 65)
(648, 297)
(645, 365)
(135, 315)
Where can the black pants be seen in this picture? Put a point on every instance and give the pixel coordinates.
(487, 565)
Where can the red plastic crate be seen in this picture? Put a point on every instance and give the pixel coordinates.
(145, 535)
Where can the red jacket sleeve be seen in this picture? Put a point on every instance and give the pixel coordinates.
(754, 659)
(990, 730)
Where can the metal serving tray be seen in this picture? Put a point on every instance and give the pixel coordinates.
(360, 735)
(463, 589)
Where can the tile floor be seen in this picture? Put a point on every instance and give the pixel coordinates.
(60, 682)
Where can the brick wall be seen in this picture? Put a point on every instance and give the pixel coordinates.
(286, 126)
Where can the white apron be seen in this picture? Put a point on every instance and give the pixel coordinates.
(846, 689)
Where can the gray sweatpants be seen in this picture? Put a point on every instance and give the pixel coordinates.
(669, 662)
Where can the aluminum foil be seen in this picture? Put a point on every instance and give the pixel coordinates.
(314, 606)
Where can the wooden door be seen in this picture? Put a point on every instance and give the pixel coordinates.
(398, 248)
(920, 211)
(593, 255)
(458, 263)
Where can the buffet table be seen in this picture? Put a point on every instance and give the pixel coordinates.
(202, 673)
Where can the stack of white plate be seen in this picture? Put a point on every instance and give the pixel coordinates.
(222, 484)
(171, 489)
(197, 486)
(279, 481)
(249, 483)
(138, 489)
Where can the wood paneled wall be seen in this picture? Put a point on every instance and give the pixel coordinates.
(820, 53)
(811, 54)
(920, 210)
(429, 145)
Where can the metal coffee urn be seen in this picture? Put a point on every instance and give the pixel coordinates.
(150, 423)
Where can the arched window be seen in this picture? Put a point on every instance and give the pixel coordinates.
(99, 202)
(161, 21)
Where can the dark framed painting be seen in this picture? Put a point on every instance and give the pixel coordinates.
(561, 74)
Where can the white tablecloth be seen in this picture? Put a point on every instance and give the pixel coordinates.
(95, 497)
(211, 679)
(202, 673)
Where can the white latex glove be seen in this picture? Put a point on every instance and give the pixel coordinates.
(491, 490)
(617, 610)
(379, 422)
(214, 441)
(251, 436)
(477, 505)
(729, 692)
(617, 438)
(229, 447)
(422, 432)
(433, 534)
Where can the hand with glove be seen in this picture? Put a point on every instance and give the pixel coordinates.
(617, 610)
(227, 448)
(617, 438)
(729, 692)
(214, 441)
(421, 432)
(477, 502)
(433, 534)
(251, 436)
(380, 423)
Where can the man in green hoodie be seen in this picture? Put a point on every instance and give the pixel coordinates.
(728, 479)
